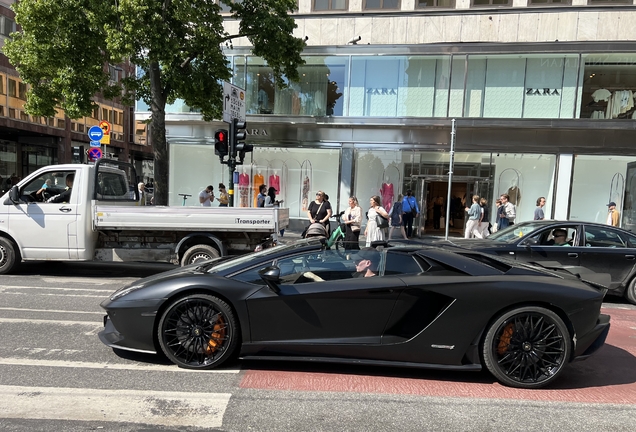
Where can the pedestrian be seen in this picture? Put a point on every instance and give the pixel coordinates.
(352, 219)
(397, 215)
(475, 214)
(508, 211)
(484, 225)
(319, 210)
(372, 231)
(206, 196)
(262, 194)
(270, 199)
(410, 211)
(538, 212)
(613, 215)
(498, 215)
(224, 198)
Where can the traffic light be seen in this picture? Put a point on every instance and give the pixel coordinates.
(238, 148)
(220, 143)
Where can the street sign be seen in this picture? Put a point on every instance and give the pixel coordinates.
(96, 144)
(105, 126)
(105, 139)
(233, 103)
(95, 133)
(95, 153)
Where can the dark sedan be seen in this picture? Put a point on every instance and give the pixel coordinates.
(407, 306)
(598, 247)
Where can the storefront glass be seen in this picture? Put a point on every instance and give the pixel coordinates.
(612, 180)
(8, 165)
(609, 86)
(35, 157)
(320, 91)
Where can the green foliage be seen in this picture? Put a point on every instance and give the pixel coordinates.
(65, 46)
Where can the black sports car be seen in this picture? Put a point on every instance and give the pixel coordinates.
(600, 248)
(420, 307)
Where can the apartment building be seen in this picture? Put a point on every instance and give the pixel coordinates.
(30, 142)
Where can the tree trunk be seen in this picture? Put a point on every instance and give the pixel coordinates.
(158, 135)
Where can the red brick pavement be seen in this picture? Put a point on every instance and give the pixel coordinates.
(609, 376)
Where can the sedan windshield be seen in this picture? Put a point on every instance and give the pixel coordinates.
(514, 232)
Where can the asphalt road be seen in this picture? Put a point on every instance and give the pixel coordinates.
(56, 375)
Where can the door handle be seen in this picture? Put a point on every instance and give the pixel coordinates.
(573, 255)
(630, 257)
(65, 209)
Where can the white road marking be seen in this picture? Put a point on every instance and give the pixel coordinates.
(86, 280)
(56, 295)
(201, 410)
(12, 287)
(50, 311)
(10, 361)
(50, 322)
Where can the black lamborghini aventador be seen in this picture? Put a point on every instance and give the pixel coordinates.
(420, 307)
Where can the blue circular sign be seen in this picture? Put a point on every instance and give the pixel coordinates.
(95, 133)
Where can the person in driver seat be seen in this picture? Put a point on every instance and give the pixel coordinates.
(560, 237)
(367, 262)
(66, 195)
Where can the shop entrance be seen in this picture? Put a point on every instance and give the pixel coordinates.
(431, 192)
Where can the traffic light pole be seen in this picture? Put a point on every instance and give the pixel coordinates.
(231, 163)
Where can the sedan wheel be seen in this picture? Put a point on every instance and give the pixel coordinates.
(198, 332)
(630, 292)
(527, 347)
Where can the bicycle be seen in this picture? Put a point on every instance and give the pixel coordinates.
(185, 197)
(337, 237)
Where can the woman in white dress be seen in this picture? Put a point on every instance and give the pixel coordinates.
(372, 232)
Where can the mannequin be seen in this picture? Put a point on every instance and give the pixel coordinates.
(274, 181)
(244, 185)
(258, 181)
(305, 197)
(386, 192)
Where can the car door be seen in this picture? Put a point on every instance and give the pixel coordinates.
(608, 250)
(340, 309)
(45, 230)
(540, 246)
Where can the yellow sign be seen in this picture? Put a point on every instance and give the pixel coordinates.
(105, 139)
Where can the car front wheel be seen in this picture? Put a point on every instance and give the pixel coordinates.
(630, 292)
(527, 347)
(198, 332)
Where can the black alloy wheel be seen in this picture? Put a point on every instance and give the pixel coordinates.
(198, 332)
(527, 347)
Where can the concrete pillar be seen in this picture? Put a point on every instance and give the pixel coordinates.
(561, 209)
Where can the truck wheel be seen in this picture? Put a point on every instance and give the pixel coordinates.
(9, 256)
(201, 252)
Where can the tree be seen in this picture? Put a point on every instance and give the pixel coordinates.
(64, 47)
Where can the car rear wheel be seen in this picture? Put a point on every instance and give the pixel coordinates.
(630, 292)
(198, 253)
(9, 256)
(198, 332)
(527, 347)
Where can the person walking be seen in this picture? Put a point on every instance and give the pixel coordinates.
(206, 196)
(260, 198)
(613, 215)
(352, 218)
(538, 212)
(484, 225)
(372, 231)
(474, 218)
(319, 210)
(508, 211)
(410, 211)
(224, 198)
(397, 214)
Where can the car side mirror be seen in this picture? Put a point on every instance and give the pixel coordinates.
(14, 195)
(271, 276)
(531, 242)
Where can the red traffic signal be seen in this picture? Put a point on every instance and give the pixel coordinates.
(220, 143)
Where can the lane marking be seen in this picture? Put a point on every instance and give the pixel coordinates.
(50, 322)
(50, 311)
(201, 410)
(86, 280)
(6, 287)
(15, 361)
(56, 295)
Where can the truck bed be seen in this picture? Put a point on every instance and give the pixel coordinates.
(190, 218)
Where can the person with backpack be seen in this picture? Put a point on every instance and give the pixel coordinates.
(410, 212)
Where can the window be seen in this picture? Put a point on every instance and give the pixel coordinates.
(7, 26)
(104, 113)
(327, 5)
(560, 236)
(112, 185)
(400, 263)
(48, 185)
(381, 4)
(435, 3)
(95, 113)
(609, 2)
(24, 116)
(492, 2)
(315, 266)
(22, 89)
(251, 276)
(601, 237)
(61, 123)
(12, 88)
(2, 85)
(549, 2)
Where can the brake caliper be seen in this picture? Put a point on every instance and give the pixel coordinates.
(217, 337)
(504, 339)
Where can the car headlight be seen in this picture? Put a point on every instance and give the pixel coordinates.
(125, 291)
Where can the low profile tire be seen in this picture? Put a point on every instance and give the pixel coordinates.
(199, 253)
(527, 347)
(9, 256)
(198, 332)
(630, 292)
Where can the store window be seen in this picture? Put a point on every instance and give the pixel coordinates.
(492, 3)
(549, 2)
(329, 5)
(8, 165)
(435, 3)
(395, 86)
(320, 91)
(609, 86)
(35, 157)
(381, 4)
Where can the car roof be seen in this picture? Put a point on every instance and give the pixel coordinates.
(572, 222)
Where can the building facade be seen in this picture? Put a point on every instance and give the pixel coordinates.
(542, 93)
(30, 142)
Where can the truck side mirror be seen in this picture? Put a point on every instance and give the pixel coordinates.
(14, 195)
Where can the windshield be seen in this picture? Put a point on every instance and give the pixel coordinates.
(256, 256)
(514, 232)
